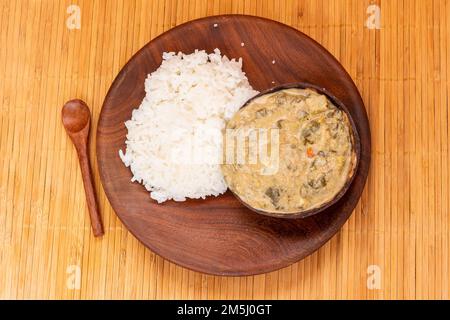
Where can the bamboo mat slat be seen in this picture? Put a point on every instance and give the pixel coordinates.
(400, 226)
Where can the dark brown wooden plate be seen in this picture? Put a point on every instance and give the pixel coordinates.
(219, 235)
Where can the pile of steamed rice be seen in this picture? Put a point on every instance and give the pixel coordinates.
(174, 140)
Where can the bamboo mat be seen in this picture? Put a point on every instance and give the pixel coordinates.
(396, 243)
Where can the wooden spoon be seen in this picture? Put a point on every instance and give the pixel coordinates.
(76, 118)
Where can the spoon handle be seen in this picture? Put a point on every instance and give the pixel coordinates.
(86, 173)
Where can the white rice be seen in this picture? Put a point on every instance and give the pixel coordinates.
(188, 99)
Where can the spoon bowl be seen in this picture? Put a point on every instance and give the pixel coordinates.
(75, 116)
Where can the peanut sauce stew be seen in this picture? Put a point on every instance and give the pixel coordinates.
(308, 161)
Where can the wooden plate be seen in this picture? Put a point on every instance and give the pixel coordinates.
(219, 235)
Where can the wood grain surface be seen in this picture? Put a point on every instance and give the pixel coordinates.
(398, 233)
(220, 236)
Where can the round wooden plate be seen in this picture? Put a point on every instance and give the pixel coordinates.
(219, 235)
